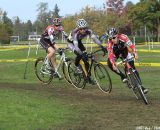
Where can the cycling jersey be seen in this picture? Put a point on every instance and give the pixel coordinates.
(49, 36)
(50, 31)
(114, 50)
(76, 36)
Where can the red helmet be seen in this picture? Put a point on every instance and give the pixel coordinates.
(57, 21)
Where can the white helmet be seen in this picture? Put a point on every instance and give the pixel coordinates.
(112, 32)
(81, 23)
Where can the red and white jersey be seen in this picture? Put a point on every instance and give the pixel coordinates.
(50, 30)
(123, 42)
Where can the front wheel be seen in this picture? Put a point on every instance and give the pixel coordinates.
(77, 79)
(65, 70)
(136, 83)
(102, 78)
(41, 71)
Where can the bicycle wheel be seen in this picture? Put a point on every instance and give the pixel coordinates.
(41, 72)
(65, 70)
(102, 78)
(77, 79)
(131, 85)
(136, 83)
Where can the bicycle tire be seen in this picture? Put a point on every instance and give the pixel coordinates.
(76, 79)
(65, 71)
(130, 85)
(38, 71)
(100, 72)
(139, 87)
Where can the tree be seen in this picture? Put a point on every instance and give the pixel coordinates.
(5, 28)
(115, 5)
(56, 12)
(29, 26)
(147, 13)
(8, 22)
(43, 15)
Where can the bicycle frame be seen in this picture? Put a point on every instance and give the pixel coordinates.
(135, 82)
(62, 59)
(91, 57)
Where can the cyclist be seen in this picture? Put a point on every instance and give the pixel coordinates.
(47, 41)
(120, 46)
(75, 44)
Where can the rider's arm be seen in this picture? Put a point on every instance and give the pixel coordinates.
(94, 37)
(110, 52)
(65, 34)
(50, 34)
(76, 49)
(103, 37)
(131, 47)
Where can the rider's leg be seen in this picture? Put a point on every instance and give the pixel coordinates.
(118, 72)
(86, 63)
(131, 63)
(133, 66)
(52, 57)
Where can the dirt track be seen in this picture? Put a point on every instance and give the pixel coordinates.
(117, 110)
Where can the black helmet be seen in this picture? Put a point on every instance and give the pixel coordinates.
(112, 33)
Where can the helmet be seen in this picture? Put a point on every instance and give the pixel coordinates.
(81, 23)
(57, 21)
(112, 32)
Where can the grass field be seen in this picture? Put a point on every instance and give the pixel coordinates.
(26, 104)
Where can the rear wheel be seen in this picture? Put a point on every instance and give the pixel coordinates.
(41, 72)
(77, 79)
(102, 78)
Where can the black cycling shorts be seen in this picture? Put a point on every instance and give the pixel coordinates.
(46, 43)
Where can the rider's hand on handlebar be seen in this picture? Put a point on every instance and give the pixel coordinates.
(114, 66)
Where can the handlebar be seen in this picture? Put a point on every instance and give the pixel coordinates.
(123, 61)
(62, 50)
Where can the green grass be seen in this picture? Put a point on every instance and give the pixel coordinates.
(25, 110)
(26, 104)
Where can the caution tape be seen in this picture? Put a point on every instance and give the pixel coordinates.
(104, 63)
(141, 64)
(17, 60)
(144, 50)
(10, 48)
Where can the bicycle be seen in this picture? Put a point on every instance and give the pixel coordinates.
(45, 74)
(133, 82)
(101, 75)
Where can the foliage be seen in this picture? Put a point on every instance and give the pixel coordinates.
(127, 18)
(147, 13)
(5, 29)
(115, 5)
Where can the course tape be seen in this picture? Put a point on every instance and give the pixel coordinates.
(18, 60)
(144, 50)
(10, 48)
(105, 63)
(141, 64)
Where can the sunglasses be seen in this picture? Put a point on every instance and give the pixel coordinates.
(113, 37)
